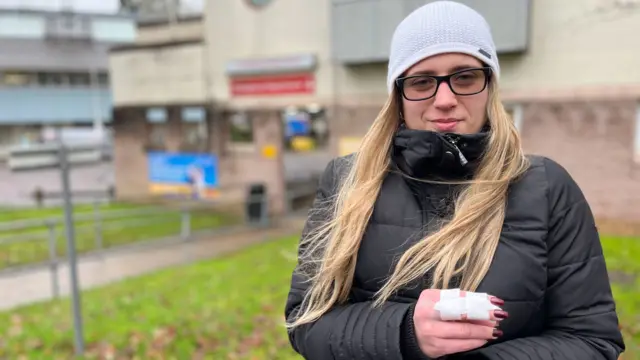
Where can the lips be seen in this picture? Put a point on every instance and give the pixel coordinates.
(445, 124)
(445, 121)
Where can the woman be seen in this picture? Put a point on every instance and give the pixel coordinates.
(440, 196)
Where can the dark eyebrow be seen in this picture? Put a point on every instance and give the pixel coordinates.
(452, 70)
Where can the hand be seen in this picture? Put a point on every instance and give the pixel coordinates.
(438, 338)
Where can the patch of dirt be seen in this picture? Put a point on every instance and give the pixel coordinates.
(622, 277)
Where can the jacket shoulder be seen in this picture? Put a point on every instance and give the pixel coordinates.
(336, 169)
(560, 187)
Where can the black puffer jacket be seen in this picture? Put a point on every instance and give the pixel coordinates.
(548, 267)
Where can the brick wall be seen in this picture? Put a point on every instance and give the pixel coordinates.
(239, 167)
(129, 162)
(594, 142)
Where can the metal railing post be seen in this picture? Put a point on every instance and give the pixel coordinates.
(53, 259)
(97, 219)
(185, 228)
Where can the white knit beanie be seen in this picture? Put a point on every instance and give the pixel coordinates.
(436, 28)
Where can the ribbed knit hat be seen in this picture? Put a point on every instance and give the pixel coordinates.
(436, 28)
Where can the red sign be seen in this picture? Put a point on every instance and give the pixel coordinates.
(273, 85)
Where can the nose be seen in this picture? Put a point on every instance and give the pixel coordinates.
(445, 98)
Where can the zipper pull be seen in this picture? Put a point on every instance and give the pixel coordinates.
(463, 159)
(453, 142)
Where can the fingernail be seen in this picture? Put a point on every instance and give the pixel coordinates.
(497, 333)
(499, 314)
(497, 301)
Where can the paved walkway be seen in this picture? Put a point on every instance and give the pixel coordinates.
(35, 285)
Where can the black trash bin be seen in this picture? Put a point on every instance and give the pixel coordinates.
(256, 203)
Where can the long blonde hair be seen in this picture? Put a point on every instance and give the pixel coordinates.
(465, 245)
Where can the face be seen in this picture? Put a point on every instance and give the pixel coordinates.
(446, 111)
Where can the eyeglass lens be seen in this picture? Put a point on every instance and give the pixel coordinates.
(462, 83)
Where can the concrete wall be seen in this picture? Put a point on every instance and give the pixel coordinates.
(576, 44)
(573, 47)
(185, 30)
(158, 75)
(575, 89)
(235, 30)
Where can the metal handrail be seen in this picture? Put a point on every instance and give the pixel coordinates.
(83, 216)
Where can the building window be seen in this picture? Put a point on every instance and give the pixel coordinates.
(53, 79)
(68, 25)
(81, 79)
(195, 132)
(103, 79)
(258, 3)
(516, 112)
(305, 129)
(157, 129)
(241, 128)
(17, 78)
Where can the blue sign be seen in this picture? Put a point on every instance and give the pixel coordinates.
(297, 125)
(174, 173)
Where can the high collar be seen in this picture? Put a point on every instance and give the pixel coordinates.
(428, 154)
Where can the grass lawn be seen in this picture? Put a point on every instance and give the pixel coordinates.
(227, 308)
(623, 262)
(113, 231)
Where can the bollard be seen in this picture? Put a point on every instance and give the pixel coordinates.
(256, 204)
(97, 221)
(185, 234)
(53, 259)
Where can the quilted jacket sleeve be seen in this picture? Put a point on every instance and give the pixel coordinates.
(581, 320)
(348, 331)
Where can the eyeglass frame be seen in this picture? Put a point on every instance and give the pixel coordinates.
(487, 70)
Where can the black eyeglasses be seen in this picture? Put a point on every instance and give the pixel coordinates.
(464, 82)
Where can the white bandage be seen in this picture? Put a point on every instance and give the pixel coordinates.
(476, 306)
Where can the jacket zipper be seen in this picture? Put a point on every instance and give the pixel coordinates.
(454, 142)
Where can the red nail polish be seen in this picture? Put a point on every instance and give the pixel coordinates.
(497, 301)
(497, 333)
(499, 314)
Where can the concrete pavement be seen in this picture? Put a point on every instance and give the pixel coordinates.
(21, 288)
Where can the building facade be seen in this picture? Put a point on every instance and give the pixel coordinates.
(54, 71)
(567, 79)
(163, 107)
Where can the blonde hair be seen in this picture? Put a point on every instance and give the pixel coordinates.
(465, 245)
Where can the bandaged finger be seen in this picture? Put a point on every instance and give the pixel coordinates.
(476, 306)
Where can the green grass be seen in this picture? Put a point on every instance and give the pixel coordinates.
(623, 263)
(13, 214)
(226, 308)
(112, 232)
